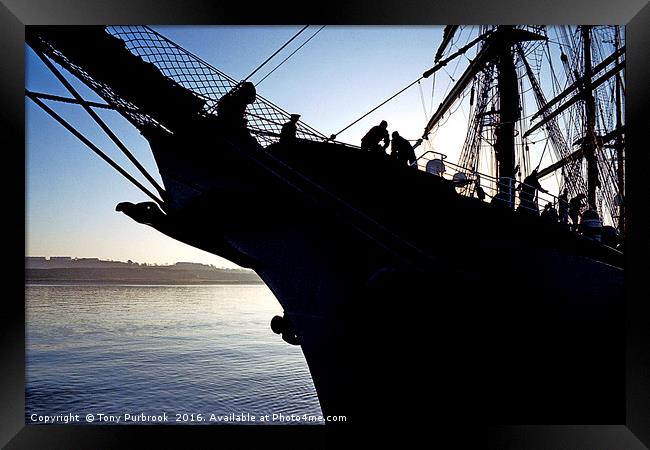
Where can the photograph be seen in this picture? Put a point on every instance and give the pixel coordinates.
(448, 170)
(315, 230)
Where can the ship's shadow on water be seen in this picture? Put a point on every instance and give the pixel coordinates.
(157, 350)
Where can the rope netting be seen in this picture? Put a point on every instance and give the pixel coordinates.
(177, 68)
(265, 119)
(126, 108)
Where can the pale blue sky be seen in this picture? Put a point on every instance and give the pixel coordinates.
(338, 76)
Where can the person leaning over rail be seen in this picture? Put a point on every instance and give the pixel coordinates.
(527, 199)
(370, 142)
(402, 150)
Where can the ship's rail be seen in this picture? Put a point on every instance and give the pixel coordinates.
(468, 181)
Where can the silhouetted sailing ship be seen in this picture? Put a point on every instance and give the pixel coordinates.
(465, 307)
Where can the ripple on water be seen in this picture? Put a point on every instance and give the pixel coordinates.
(154, 349)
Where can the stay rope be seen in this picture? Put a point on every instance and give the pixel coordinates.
(293, 53)
(276, 52)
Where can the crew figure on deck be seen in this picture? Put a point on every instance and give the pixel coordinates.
(371, 140)
(549, 213)
(402, 150)
(231, 108)
(527, 200)
(478, 190)
(289, 129)
(575, 208)
(563, 206)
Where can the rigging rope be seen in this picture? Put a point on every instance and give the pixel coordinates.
(276, 52)
(424, 106)
(542, 156)
(332, 137)
(94, 148)
(294, 52)
(50, 65)
(438, 66)
(433, 90)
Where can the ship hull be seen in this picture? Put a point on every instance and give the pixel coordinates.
(410, 302)
(406, 296)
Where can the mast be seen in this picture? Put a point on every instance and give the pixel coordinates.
(589, 143)
(508, 116)
(497, 50)
(619, 144)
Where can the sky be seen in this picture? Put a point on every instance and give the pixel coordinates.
(333, 80)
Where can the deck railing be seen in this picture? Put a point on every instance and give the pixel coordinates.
(470, 183)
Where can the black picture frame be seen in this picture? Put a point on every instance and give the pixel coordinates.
(16, 14)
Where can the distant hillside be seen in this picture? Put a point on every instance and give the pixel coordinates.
(142, 275)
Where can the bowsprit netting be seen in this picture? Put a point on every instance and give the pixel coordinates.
(152, 81)
(264, 118)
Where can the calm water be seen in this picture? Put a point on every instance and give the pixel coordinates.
(116, 350)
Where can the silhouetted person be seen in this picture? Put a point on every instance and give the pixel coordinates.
(549, 213)
(563, 206)
(231, 108)
(371, 140)
(528, 190)
(402, 150)
(289, 129)
(480, 193)
(545, 211)
(575, 206)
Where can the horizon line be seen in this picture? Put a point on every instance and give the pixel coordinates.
(73, 258)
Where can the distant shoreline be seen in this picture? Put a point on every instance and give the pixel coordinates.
(140, 276)
(140, 283)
